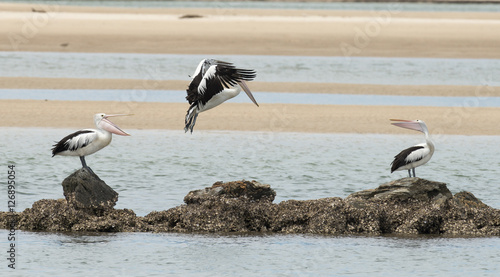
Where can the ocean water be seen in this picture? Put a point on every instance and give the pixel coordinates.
(178, 96)
(352, 70)
(139, 254)
(155, 169)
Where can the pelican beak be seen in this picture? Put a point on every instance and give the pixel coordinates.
(111, 127)
(408, 124)
(244, 86)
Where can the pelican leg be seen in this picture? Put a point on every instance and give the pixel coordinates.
(194, 122)
(413, 169)
(409, 173)
(190, 120)
(84, 164)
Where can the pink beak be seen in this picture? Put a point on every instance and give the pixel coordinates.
(111, 127)
(408, 124)
(245, 88)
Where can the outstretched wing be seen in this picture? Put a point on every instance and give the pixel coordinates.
(217, 77)
(409, 155)
(74, 141)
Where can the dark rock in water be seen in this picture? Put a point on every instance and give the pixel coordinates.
(240, 206)
(85, 190)
(407, 188)
(60, 216)
(405, 206)
(251, 190)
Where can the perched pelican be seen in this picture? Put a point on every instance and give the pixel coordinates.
(88, 141)
(213, 83)
(416, 155)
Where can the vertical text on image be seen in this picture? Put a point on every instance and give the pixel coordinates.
(11, 209)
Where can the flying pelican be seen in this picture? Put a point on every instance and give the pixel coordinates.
(416, 155)
(213, 83)
(88, 141)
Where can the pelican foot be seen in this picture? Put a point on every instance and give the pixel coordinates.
(89, 169)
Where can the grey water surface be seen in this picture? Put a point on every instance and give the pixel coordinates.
(351, 70)
(155, 169)
(177, 96)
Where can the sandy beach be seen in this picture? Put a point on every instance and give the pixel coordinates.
(389, 33)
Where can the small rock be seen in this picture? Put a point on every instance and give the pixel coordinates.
(407, 188)
(251, 190)
(85, 190)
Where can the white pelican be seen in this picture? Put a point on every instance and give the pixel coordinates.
(213, 83)
(88, 141)
(416, 155)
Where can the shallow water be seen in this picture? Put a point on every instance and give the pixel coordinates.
(168, 164)
(129, 254)
(352, 70)
(177, 96)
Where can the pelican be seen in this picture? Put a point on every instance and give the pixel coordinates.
(416, 155)
(88, 141)
(214, 82)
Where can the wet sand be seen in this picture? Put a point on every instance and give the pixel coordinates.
(248, 117)
(389, 33)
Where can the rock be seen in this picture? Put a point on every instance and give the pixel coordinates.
(85, 190)
(402, 207)
(407, 188)
(251, 190)
(60, 216)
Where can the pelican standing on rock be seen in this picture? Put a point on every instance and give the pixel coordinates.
(213, 83)
(416, 155)
(88, 141)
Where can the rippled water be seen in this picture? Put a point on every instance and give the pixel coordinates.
(168, 164)
(250, 255)
(355, 70)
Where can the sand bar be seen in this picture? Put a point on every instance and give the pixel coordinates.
(390, 33)
(263, 32)
(247, 117)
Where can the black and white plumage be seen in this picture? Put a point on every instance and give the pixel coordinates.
(416, 155)
(213, 83)
(88, 141)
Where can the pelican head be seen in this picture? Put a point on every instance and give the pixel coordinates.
(417, 125)
(102, 122)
